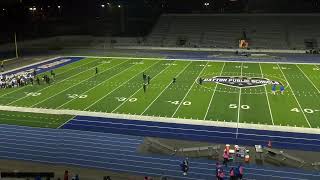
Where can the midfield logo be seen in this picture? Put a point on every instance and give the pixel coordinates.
(240, 81)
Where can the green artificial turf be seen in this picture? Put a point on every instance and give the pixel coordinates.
(118, 88)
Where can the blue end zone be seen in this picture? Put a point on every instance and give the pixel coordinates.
(309, 142)
(46, 66)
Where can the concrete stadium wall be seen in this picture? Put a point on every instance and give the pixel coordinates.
(211, 49)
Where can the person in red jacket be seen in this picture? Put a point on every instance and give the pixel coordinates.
(221, 175)
(218, 169)
(232, 174)
(240, 169)
(66, 175)
(225, 158)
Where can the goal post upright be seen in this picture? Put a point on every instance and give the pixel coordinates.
(16, 45)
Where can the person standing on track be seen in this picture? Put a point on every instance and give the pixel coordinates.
(185, 166)
(239, 172)
(66, 175)
(232, 174)
(218, 169)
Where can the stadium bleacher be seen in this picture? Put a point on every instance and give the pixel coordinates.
(268, 31)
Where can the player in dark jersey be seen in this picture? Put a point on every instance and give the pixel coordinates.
(38, 80)
(34, 73)
(53, 75)
(144, 76)
(200, 81)
(149, 78)
(144, 87)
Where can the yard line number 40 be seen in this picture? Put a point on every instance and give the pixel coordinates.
(307, 110)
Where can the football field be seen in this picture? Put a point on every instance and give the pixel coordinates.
(238, 92)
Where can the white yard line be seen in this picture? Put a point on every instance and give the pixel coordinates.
(189, 90)
(119, 86)
(76, 84)
(65, 122)
(295, 97)
(164, 90)
(68, 101)
(267, 97)
(308, 79)
(239, 107)
(53, 84)
(41, 73)
(214, 91)
(137, 91)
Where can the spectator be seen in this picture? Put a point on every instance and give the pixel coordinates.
(240, 167)
(221, 175)
(77, 177)
(66, 175)
(225, 158)
(185, 166)
(163, 178)
(146, 178)
(232, 174)
(106, 178)
(218, 169)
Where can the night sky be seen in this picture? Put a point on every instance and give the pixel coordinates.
(42, 18)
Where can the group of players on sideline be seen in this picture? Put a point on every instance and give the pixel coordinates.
(25, 78)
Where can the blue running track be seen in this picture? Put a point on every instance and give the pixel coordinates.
(114, 152)
(309, 142)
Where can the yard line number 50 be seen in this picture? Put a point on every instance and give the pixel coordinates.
(235, 106)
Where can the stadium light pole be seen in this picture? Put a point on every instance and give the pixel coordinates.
(16, 44)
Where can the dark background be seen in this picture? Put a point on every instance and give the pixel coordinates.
(120, 17)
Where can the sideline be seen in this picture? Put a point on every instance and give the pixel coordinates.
(162, 119)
